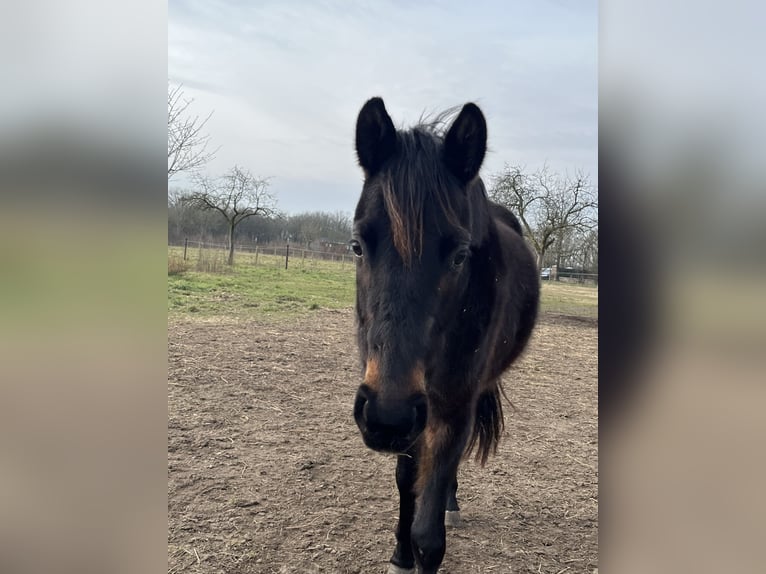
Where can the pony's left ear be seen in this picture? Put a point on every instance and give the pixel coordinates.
(466, 143)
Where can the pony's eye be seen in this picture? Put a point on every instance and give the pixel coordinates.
(356, 247)
(459, 258)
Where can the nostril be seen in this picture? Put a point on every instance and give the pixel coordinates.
(361, 407)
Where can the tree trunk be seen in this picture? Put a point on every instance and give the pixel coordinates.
(559, 242)
(231, 242)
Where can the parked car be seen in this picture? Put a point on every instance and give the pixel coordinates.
(545, 273)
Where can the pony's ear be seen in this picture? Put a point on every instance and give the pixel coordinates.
(375, 136)
(466, 143)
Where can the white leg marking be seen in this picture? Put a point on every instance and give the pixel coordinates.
(452, 518)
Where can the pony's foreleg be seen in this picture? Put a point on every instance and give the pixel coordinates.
(452, 514)
(442, 447)
(403, 561)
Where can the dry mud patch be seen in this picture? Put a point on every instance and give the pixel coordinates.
(267, 473)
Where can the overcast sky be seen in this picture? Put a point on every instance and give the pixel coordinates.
(286, 80)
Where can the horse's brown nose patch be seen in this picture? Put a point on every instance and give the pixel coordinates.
(372, 373)
(416, 381)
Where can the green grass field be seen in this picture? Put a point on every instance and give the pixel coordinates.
(267, 291)
(569, 299)
(264, 290)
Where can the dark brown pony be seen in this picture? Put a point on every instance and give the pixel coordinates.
(447, 295)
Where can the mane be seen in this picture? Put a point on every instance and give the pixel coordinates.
(437, 123)
(417, 176)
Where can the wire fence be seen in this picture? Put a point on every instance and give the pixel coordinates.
(209, 255)
(277, 255)
(582, 278)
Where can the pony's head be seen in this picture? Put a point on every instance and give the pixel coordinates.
(420, 218)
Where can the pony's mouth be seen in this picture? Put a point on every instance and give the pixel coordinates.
(384, 443)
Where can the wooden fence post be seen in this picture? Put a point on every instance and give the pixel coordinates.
(287, 254)
(186, 243)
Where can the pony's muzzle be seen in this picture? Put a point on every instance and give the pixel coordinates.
(389, 425)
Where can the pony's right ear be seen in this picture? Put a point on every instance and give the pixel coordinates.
(375, 136)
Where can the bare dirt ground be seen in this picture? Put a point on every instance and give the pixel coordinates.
(267, 472)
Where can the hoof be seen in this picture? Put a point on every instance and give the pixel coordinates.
(394, 569)
(452, 518)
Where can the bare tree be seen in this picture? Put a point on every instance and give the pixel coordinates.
(236, 195)
(549, 206)
(187, 143)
